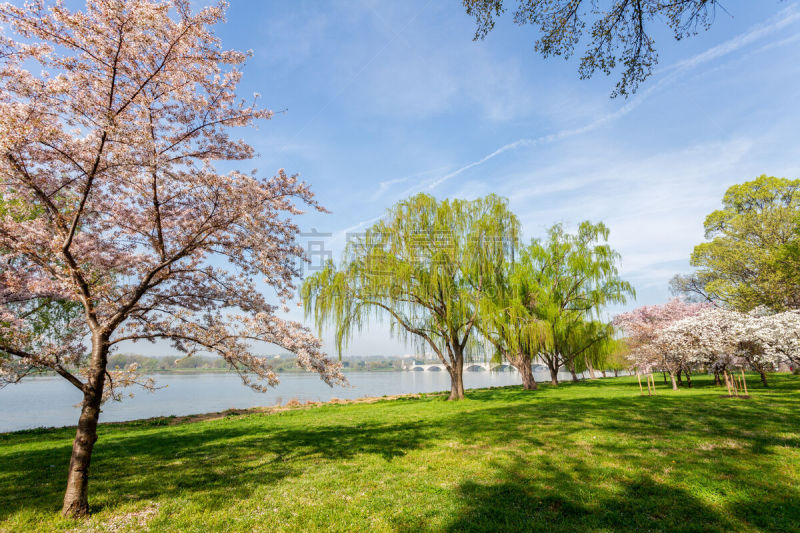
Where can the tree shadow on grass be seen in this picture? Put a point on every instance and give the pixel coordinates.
(565, 497)
(554, 499)
(218, 462)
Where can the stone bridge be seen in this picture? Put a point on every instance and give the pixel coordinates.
(468, 367)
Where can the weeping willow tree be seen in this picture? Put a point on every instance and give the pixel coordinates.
(617, 357)
(571, 278)
(510, 327)
(425, 267)
(597, 337)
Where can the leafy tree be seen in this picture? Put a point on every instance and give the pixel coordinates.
(618, 355)
(425, 266)
(571, 278)
(110, 122)
(747, 262)
(619, 31)
(595, 357)
(509, 325)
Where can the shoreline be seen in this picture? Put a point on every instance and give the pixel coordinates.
(291, 405)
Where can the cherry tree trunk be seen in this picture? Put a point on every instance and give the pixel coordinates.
(717, 381)
(616, 373)
(763, 377)
(76, 497)
(688, 379)
(674, 382)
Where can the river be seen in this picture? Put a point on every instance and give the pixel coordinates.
(52, 402)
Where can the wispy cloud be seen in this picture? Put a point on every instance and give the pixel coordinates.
(786, 17)
(385, 186)
(662, 77)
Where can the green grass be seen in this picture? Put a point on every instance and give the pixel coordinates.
(594, 456)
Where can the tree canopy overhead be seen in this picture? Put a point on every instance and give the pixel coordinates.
(424, 267)
(618, 32)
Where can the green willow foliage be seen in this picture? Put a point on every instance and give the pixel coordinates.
(563, 283)
(425, 266)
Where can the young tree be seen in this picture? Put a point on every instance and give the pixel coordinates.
(426, 267)
(619, 31)
(720, 338)
(744, 265)
(571, 278)
(705, 338)
(113, 145)
(645, 324)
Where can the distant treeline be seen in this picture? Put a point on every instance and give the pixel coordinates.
(199, 363)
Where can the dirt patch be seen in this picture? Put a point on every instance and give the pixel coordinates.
(132, 521)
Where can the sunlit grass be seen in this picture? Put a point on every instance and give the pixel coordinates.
(590, 456)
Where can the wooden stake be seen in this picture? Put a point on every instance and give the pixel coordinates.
(639, 377)
(744, 382)
(653, 379)
(727, 382)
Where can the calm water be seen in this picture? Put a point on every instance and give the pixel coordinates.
(51, 401)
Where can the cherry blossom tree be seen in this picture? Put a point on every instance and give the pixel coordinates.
(708, 338)
(779, 334)
(764, 340)
(721, 339)
(111, 120)
(643, 326)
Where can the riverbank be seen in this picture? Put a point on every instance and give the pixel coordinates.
(52, 401)
(589, 456)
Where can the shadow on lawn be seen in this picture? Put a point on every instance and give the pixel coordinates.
(221, 462)
(218, 463)
(522, 499)
(552, 498)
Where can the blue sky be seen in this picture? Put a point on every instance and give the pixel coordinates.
(380, 100)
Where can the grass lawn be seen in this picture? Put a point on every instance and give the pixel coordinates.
(593, 456)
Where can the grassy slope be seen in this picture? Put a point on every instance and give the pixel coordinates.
(591, 456)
